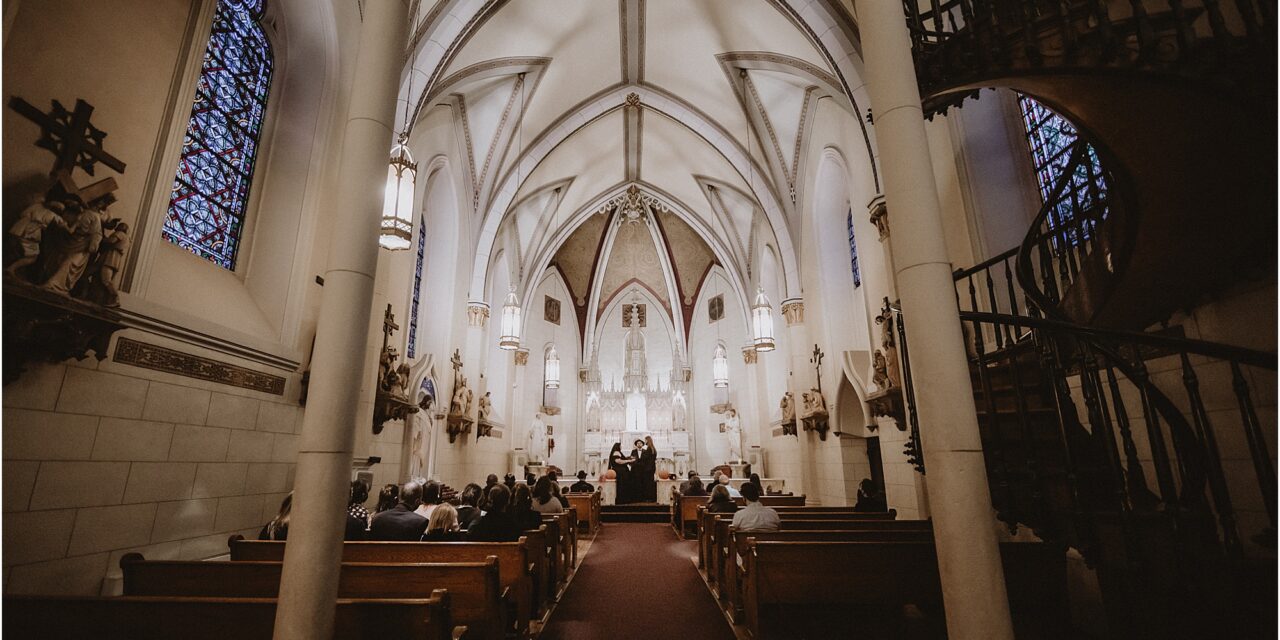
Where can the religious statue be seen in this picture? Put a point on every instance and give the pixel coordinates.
(111, 264)
(75, 254)
(880, 371)
(537, 439)
(679, 412)
(486, 407)
(814, 404)
(29, 230)
(733, 431)
(460, 404)
(788, 406)
(388, 375)
(417, 456)
(885, 320)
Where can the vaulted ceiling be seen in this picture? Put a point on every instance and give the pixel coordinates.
(703, 107)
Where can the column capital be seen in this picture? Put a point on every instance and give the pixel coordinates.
(878, 211)
(477, 314)
(749, 355)
(793, 311)
(522, 357)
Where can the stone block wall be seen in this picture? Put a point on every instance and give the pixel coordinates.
(101, 459)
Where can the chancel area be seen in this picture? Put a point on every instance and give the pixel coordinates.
(587, 319)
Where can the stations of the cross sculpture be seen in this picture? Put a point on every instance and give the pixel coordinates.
(813, 407)
(391, 399)
(64, 252)
(459, 419)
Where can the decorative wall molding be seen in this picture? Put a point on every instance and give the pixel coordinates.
(157, 358)
(477, 314)
(793, 311)
(749, 355)
(879, 214)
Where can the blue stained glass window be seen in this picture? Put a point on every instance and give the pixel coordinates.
(211, 191)
(853, 253)
(417, 290)
(1050, 137)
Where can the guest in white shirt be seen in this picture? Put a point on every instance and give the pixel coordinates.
(733, 493)
(755, 516)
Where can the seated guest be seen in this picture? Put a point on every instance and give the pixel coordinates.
(581, 486)
(715, 480)
(443, 525)
(278, 528)
(469, 510)
(430, 498)
(544, 498)
(557, 491)
(496, 525)
(510, 481)
(489, 481)
(401, 523)
(869, 498)
(720, 501)
(355, 503)
(387, 498)
(529, 479)
(693, 486)
(733, 493)
(755, 479)
(355, 530)
(755, 516)
(522, 509)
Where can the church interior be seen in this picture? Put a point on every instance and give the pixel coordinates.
(850, 318)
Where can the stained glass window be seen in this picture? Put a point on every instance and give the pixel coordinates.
(853, 252)
(211, 191)
(1051, 137)
(417, 286)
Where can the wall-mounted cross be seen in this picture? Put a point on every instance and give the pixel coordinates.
(388, 325)
(69, 135)
(818, 355)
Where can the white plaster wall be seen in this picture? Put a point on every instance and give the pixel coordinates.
(712, 447)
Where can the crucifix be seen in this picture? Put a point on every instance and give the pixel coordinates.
(73, 141)
(388, 325)
(818, 355)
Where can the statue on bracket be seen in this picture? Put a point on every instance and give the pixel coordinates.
(486, 407)
(814, 413)
(391, 398)
(459, 418)
(64, 252)
(788, 406)
(887, 400)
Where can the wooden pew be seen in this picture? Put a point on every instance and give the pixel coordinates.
(515, 566)
(163, 618)
(720, 536)
(831, 586)
(567, 529)
(730, 585)
(555, 558)
(781, 501)
(541, 548)
(588, 507)
(474, 592)
(706, 528)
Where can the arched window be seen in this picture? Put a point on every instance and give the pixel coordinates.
(417, 289)
(211, 191)
(1051, 137)
(853, 251)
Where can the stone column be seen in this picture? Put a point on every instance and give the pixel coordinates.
(756, 389)
(309, 584)
(968, 554)
(801, 380)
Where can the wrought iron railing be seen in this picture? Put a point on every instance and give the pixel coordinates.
(955, 41)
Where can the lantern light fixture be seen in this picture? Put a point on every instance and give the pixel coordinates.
(509, 340)
(396, 228)
(762, 322)
(720, 367)
(552, 369)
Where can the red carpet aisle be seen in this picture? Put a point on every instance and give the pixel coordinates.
(637, 582)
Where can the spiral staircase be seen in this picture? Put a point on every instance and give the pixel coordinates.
(1143, 451)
